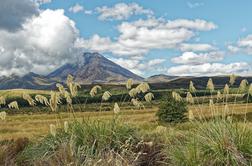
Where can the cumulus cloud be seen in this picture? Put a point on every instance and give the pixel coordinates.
(196, 47)
(121, 11)
(243, 45)
(44, 43)
(13, 13)
(191, 58)
(139, 37)
(137, 66)
(76, 8)
(209, 69)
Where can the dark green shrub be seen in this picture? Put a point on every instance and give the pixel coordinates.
(172, 111)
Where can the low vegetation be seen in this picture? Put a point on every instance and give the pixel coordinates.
(184, 128)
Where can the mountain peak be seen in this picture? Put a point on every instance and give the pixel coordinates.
(93, 67)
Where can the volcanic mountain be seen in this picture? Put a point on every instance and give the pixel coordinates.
(94, 68)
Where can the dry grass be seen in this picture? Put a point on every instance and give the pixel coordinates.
(34, 126)
(20, 92)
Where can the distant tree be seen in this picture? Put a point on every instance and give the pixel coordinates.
(171, 110)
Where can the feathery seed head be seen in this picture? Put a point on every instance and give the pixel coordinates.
(94, 90)
(176, 96)
(53, 130)
(243, 86)
(211, 103)
(42, 99)
(2, 100)
(210, 85)
(148, 97)
(66, 126)
(13, 105)
(226, 90)
(189, 98)
(129, 83)
(136, 103)
(68, 97)
(116, 108)
(60, 88)
(219, 95)
(226, 108)
(70, 79)
(143, 87)
(29, 99)
(133, 92)
(190, 115)
(3, 115)
(192, 89)
(250, 90)
(232, 79)
(106, 96)
(54, 101)
(73, 87)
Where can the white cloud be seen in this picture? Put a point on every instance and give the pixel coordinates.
(137, 66)
(233, 49)
(39, 46)
(196, 47)
(197, 24)
(243, 45)
(194, 5)
(76, 8)
(191, 58)
(139, 37)
(208, 69)
(155, 62)
(121, 11)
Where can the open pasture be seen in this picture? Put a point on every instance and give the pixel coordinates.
(35, 125)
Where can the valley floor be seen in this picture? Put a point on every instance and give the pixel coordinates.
(37, 125)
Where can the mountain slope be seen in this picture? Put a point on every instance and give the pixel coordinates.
(160, 78)
(199, 82)
(28, 81)
(93, 67)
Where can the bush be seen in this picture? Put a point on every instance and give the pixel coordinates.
(84, 143)
(172, 111)
(217, 142)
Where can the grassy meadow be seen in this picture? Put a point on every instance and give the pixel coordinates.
(130, 125)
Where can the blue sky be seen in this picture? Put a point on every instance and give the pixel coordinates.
(183, 37)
